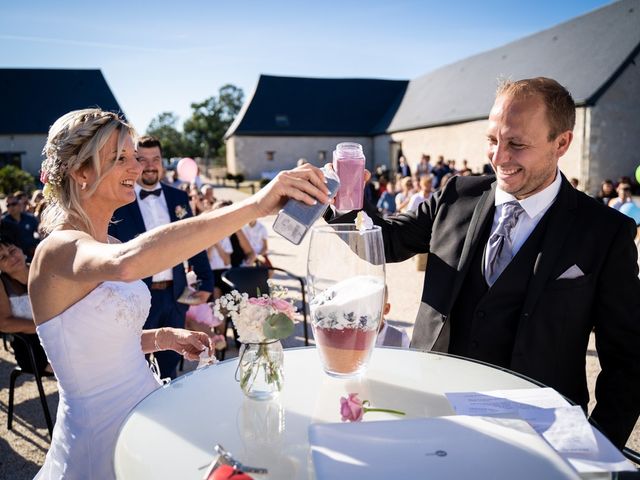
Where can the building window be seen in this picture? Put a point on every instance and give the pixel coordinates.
(282, 120)
(11, 158)
(270, 154)
(322, 156)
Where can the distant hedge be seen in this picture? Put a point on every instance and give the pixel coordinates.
(13, 178)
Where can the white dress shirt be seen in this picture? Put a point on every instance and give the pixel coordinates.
(534, 207)
(155, 213)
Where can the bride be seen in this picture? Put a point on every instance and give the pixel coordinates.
(88, 301)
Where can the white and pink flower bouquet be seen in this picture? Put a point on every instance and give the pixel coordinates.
(258, 319)
(261, 322)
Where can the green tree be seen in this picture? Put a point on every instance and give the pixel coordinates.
(204, 130)
(12, 179)
(164, 128)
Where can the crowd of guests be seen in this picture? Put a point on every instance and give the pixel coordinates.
(19, 223)
(615, 195)
(404, 190)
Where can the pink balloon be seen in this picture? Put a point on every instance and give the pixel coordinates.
(187, 169)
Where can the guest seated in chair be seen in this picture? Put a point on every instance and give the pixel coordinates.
(15, 309)
(257, 236)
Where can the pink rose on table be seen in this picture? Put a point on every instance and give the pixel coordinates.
(352, 409)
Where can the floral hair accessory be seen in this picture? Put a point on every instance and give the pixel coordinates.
(181, 212)
(363, 222)
(352, 409)
(48, 190)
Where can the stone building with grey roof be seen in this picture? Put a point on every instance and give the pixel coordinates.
(32, 99)
(287, 118)
(444, 112)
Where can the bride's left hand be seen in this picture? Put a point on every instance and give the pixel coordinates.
(187, 343)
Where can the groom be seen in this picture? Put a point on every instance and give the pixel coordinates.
(158, 204)
(522, 266)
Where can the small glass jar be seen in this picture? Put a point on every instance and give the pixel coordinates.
(260, 369)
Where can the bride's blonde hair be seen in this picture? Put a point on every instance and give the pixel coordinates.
(74, 142)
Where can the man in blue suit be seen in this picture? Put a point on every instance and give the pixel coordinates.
(158, 204)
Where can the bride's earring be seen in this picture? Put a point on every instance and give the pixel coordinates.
(84, 186)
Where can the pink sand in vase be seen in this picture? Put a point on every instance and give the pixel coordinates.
(345, 351)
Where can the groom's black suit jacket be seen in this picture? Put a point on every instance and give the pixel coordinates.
(553, 323)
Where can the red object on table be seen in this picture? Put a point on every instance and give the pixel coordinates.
(227, 472)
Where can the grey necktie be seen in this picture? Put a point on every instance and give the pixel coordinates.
(500, 247)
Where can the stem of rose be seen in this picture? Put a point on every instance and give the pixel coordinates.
(366, 409)
(386, 410)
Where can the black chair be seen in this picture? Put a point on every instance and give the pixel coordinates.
(252, 280)
(16, 372)
(631, 455)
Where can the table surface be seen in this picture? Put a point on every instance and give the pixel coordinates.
(172, 432)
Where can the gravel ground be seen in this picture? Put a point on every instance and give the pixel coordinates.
(22, 450)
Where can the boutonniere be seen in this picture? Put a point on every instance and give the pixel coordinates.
(181, 212)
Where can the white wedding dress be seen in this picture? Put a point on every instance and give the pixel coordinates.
(94, 348)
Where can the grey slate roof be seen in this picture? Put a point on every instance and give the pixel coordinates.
(319, 106)
(32, 99)
(583, 54)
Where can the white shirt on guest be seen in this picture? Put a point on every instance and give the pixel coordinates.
(534, 207)
(215, 262)
(256, 235)
(416, 200)
(155, 213)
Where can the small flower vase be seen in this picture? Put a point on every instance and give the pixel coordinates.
(260, 369)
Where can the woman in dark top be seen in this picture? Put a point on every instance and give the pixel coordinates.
(15, 309)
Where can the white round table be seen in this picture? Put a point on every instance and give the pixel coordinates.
(172, 432)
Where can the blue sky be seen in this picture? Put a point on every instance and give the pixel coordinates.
(161, 56)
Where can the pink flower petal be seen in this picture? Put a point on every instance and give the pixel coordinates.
(351, 408)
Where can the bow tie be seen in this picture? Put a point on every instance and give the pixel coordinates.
(145, 193)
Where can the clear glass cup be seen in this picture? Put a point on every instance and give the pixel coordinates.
(346, 281)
